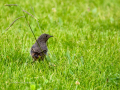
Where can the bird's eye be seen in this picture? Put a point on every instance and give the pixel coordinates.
(46, 35)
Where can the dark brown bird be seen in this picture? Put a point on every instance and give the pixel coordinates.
(39, 49)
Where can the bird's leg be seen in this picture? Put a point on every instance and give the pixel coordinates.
(39, 58)
(32, 61)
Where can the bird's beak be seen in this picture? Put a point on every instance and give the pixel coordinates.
(51, 36)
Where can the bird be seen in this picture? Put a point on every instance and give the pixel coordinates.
(39, 49)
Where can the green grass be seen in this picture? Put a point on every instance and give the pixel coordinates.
(85, 47)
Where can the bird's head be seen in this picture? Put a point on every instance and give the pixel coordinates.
(44, 37)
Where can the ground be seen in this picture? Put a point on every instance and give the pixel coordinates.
(83, 54)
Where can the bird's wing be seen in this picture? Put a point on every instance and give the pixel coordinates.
(43, 53)
(40, 55)
(38, 50)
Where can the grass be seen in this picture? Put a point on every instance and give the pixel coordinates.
(83, 54)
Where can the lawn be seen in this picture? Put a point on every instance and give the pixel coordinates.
(84, 53)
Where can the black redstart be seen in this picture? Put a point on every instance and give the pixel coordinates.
(39, 49)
